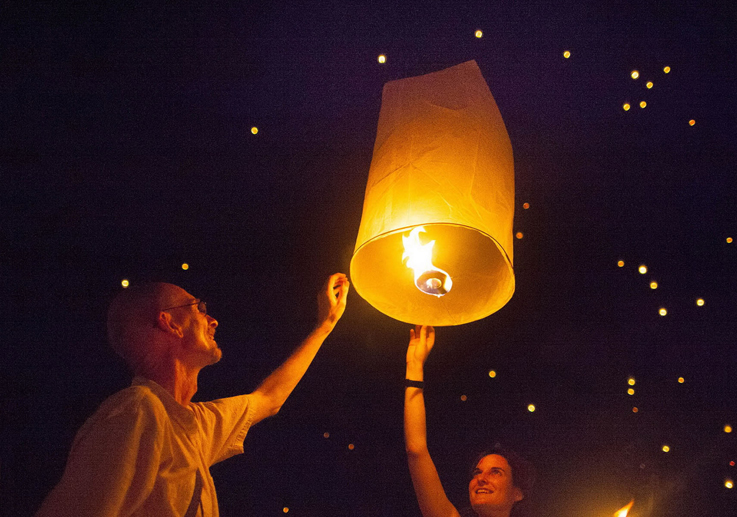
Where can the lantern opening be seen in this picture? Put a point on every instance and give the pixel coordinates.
(428, 278)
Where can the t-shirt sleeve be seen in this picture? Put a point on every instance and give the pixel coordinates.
(224, 424)
(113, 463)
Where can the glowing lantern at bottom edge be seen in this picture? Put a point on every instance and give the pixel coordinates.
(624, 510)
(442, 161)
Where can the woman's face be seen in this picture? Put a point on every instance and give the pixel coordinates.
(492, 486)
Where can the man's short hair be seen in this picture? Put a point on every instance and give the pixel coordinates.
(132, 316)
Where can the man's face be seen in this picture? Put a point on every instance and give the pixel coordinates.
(491, 485)
(198, 340)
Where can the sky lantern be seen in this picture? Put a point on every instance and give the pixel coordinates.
(435, 242)
(622, 512)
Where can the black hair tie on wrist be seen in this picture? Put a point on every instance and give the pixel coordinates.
(414, 384)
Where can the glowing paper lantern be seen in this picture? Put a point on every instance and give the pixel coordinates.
(442, 173)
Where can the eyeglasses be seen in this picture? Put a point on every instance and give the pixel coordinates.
(201, 306)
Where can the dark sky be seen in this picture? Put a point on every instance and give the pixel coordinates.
(126, 151)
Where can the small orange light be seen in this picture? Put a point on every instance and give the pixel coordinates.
(649, 84)
(254, 130)
(285, 509)
(700, 302)
(464, 398)
(663, 311)
(351, 446)
(519, 235)
(478, 33)
(666, 448)
(731, 463)
(526, 206)
(635, 74)
(643, 104)
(326, 435)
(631, 381)
(728, 483)
(185, 266)
(125, 283)
(666, 69)
(681, 380)
(635, 410)
(691, 122)
(567, 54)
(381, 59)
(727, 428)
(631, 391)
(729, 240)
(642, 269)
(653, 285)
(620, 263)
(531, 408)
(492, 373)
(626, 106)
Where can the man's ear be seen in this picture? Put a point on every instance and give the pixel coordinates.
(518, 495)
(166, 323)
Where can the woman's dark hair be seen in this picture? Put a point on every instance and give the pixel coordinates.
(523, 472)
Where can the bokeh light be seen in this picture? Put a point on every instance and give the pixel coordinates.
(567, 54)
(642, 269)
(635, 410)
(464, 398)
(254, 130)
(700, 302)
(729, 240)
(643, 104)
(631, 381)
(531, 408)
(626, 106)
(635, 74)
(666, 69)
(681, 380)
(691, 122)
(653, 285)
(728, 483)
(666, 448)
(649, 84)
(631, 391)
(185, 266)
(492, 373)
(519, 235)
(526, 206)
(125, 283)
(478, 33)
(351, 446)
(620, 263)
(381, 59)
(727, 428)
(285, 509)
(663, 311)
(326, 435)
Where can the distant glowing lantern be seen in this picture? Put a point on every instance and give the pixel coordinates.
(663, 311)
(254, 130)
(635, 74)
(125, 283)
(531, 408)
(478, 33)
(729, 240)
(700, 302)
(625, 510)
(728, 428)
(351, 446)
(631, 381)
(492, 373)
(464, 398)
(441, 182)
(626, 106)
(666, 448)
(381, 59)
(666, 69)
(185, 266)
(643, 104)
(728, 483)
(642, 269)
(631, 391)
(326, 435)
(681, 380)
(285, 509)
(635, 410)
(566, 54)
(519, 235)
(620, 263)
(691, 122)
(649, 84)
(526, 206)
(653, 285)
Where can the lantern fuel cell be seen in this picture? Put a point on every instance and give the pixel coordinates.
(443, 170)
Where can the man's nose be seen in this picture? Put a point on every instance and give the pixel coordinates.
(212, 321)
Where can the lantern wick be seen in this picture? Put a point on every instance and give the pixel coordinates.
(434, 282)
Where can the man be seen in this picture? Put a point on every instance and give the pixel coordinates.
(148, 449)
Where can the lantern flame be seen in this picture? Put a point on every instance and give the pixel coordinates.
(428, 278)
(625, 510)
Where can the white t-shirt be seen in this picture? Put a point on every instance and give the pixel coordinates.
(139, 453)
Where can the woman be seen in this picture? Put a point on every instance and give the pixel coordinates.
(499, 479)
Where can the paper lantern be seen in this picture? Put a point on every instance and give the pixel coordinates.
(441, 177)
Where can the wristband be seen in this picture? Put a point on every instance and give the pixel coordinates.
(414, 384)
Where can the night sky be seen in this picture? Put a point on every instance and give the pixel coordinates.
(127, 151)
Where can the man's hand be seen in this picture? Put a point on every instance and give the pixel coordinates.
(331, 301)
(421, 341)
